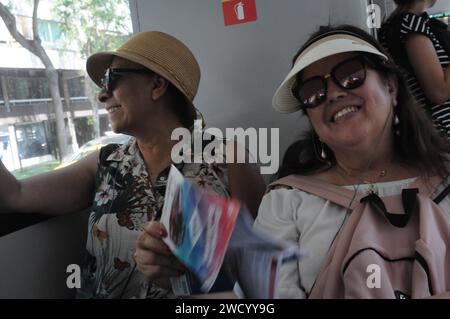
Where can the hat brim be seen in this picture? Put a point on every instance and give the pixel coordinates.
(97, 64)
(283, 100)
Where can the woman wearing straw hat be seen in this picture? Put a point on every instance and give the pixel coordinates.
(366, 136)
(148, 86)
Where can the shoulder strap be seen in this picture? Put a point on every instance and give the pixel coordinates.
(343, 197)
(442, 195)
(335, 194)
(428, 187)
(440, 30)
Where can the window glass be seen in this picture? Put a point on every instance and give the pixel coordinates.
(21, 88)
(32, 141)
(28, 134)
(49, 31)
(76, 87)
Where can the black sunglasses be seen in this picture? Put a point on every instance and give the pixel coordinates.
(348, 74)
(112, 74)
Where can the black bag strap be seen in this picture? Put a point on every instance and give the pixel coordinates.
(442, 195)
(397, 220)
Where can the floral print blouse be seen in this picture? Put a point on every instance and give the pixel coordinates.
(125, 200)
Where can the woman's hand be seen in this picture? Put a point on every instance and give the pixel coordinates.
(154, 258)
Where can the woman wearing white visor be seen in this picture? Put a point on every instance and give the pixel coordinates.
(367, 137)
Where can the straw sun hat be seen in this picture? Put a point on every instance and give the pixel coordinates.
(157, 51)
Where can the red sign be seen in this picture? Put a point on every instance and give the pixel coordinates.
(238, 11)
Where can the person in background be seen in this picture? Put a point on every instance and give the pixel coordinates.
(367, 135)
(148, 86)
(409, 36)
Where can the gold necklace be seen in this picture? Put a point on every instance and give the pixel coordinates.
(372, 188)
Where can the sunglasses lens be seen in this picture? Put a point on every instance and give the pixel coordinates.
(106, 80)
(312, 92)
(350, 74)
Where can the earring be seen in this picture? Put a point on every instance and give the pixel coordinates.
(396, 125)
(323, 155)
(319, 149)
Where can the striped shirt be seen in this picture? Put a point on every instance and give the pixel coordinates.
(392, 36)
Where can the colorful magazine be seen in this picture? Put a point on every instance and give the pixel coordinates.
(254, 259)
(199, 226)
(207, 231)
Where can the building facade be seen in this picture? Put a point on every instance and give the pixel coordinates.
(27, 125)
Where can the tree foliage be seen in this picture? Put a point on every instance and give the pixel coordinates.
(34, 45)
(95, 25)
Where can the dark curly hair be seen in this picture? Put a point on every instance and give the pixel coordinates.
(401, 3)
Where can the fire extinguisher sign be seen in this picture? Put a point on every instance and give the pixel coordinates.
(238, 11)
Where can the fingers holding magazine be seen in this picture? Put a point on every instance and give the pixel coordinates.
(154, 258)
(214, 238)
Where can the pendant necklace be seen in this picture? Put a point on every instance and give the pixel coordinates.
(372, 189)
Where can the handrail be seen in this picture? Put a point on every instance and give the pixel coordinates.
(42, 100)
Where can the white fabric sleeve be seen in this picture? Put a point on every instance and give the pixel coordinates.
(238, 291)
(277, 215)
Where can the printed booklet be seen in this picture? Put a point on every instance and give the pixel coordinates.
(213, 236)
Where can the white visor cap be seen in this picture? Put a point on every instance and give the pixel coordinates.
(283, 101)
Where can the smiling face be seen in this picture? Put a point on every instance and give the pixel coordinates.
(352, 119)
(129, 99)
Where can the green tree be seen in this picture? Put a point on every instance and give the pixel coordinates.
(34, 46)
(94, 25)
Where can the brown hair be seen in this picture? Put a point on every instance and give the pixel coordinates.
(401, 3)
(402, 6)
(181, 106)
